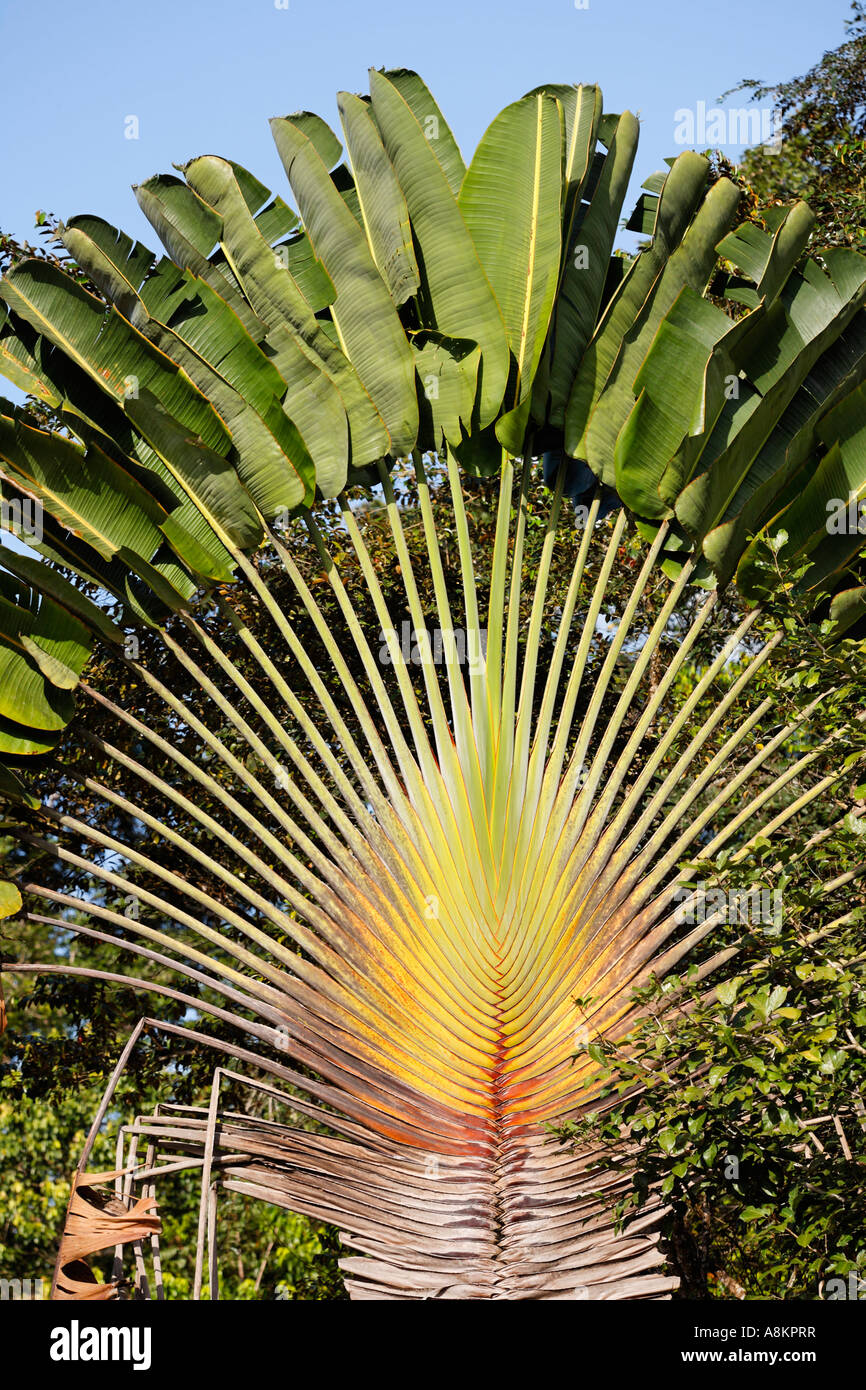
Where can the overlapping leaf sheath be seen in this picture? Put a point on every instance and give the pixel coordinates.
(415, 884)
(423, 1222)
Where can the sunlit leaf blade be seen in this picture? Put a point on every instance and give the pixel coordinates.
(365, 317)
(424, 108)
(106, 346)
(690, 264)
(295, 336)
(10, 899)
(447, 371)
(382, 205)
(190, 231)
(518, 165)
(457, 299)
(587, 248)
(683, 190)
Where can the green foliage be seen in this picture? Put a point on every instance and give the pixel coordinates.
(822, 124)
(729, 1103)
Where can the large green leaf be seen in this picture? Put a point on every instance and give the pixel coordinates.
(381, 202)
(456, 297)
(586, 265)
(224, 361)
(677, 397)
(307, 272)
(826, 503)
(189, 230)
(48, 581)
(209, 342)
(106, 345)
(43, 650)
(302, 352)
(691, 264)
(114, 262)
(447, 370)
(809, 317)
(363, 312)
(437, 132)
(208, 478)
(85, 490)
(682, 193)
(518, 166)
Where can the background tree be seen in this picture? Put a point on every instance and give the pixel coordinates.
(821, 127)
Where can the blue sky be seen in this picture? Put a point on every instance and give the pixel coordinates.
(203, 76)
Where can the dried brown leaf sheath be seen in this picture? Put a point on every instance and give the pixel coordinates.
(96, 1221)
